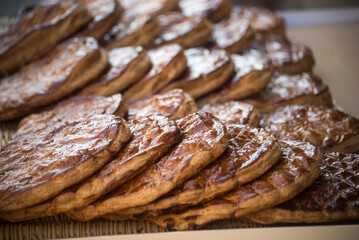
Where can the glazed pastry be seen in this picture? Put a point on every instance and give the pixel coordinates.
(234, 112)
(297, 169)
(142, 31)
(187, 31)
(204, 139)
(232, 35)
(214, 10)
(207, 70)
(173, 104)
(287, 57)
(105, 14)
(262, 20)
(73, 108)
(68, 67)
(329, 129)
(37, 166)
(127, 66)
(39, 28)
(253, 70)
(334, 196)
(168, 62)
(151, 138)
(250, 152)
(282, 89)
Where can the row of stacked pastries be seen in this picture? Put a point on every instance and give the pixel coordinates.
(173, 148)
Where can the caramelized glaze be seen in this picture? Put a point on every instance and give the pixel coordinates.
(336, 189)
(284, 87)
(34, 161)
(45, 76)
(172, 104)
(261, 19)
(73, 108)
(321, 126)
(232, 112)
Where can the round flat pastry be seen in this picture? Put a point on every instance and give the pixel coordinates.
(253, 71)
(297, 169)
(37, 167)
(329, 129)
(73, 108)
(287, 57)
(250, 153)
(234, 112)
(65, 69)
(141, 31)
(136, 8)
(207, 70)
(232, 35)
(204, 139)
(128, 65)
(38, 29)
(173, 104)
(334, 196)
(187, 31)
(262, 20)
(168, 62)
(214, 10)
(105, 14)
(151, 138)
(282, 89)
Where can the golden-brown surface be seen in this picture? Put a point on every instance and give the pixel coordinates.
(214, 10)
(137, 8)
(233, 35)
(234, 112)
(207, 70)
(139, 32)
(38, 30)
(253, 71)
(282, 89)
(204, 138)
(151, 138)
(250, 152)
(334, 196)
(262, 20)
(66, 68)
(187, 31)
(287, 57)
(330, 129)
(73, 108)
(104, 15)
(128, 65)
(168, 62)
(173, 104)
(297, 169)
(38, 166)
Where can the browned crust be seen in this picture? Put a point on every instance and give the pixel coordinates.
(86, 69)
(242, 43)
(229, 171)
(306, 64)
(141, 37)
(80, 166)
(223, 11)
(43, 38)
(151, 83)
(279, 184)
(72, 108)
(199, 146)
(173, 104)
(322, 99)
(98, 29)
(248, 85)
(118, 81)
(151, 138)
(197, 36)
